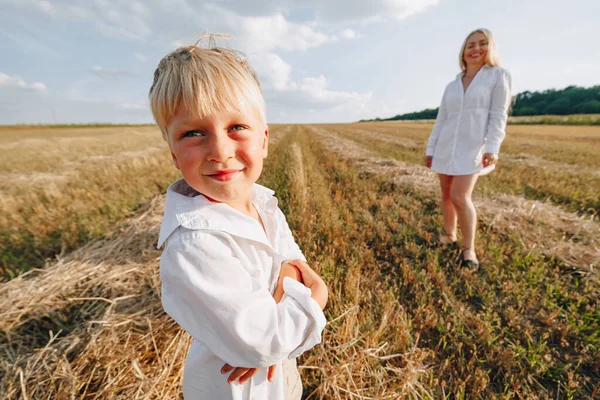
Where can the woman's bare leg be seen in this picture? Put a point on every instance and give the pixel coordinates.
(460, 195)
(448, 210)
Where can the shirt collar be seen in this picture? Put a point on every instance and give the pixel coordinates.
(186, 207)
(461, 73)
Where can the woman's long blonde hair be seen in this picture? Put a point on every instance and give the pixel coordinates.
(492, 59)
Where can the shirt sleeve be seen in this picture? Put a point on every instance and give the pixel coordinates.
(437, 127)
(209, 293)
(499, 105)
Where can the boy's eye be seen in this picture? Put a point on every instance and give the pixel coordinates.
(237, 127)
(192, 134)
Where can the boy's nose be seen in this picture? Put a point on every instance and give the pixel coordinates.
(221, 149)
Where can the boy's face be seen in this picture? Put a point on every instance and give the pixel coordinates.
(220, 155)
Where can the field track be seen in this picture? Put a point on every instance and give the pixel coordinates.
(404, 320)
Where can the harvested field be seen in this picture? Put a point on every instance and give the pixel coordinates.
(405, 321)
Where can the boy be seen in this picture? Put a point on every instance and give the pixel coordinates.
(224, 270)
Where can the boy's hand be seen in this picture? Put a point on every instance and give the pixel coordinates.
(311, 280)
(244, 374)
(290, 271)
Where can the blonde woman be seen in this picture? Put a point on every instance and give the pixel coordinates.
(467, 134)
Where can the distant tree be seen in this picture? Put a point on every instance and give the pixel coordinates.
(430, 113)
(560, 106)
(570, 100)
(590, 107)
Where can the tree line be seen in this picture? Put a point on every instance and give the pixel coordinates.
(567, 101)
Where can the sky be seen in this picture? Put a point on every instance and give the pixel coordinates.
(74, 61)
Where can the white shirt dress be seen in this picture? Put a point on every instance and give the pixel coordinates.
(218, 272)
(470, 124)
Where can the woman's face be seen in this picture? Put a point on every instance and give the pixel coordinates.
(476, 50)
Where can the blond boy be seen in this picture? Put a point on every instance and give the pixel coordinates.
(226, 273)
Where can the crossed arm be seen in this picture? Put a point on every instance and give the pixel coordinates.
(299, 271)
(242, 374)
(241, 324)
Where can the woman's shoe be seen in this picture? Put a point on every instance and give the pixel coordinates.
(469, 263)
(444, 240)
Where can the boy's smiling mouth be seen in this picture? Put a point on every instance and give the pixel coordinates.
(224, 175)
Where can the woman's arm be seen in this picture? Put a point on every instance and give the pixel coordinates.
(208, 292)
(499, 104)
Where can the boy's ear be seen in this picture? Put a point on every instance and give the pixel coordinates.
(175, 162)
(266, 143)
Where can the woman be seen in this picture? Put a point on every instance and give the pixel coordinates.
(467, 135)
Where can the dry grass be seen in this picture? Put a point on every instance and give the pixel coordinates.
(574, 119)
(404, 320)
(91, 326)
(546, 163)
(59, 188)
(541, 226)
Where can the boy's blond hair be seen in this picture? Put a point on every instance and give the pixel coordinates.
(203, 81)
(492, 59)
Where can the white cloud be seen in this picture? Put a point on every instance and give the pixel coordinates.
(178, 43)
(142, 105)
(259, 22)
(273, 72)
(262, 34)
(313, 94)
(333, 10)
(109, 73)
(317, 90)
(307, 93)
(266, 30)
(141, 57)
(122, 19)
(350, 34)
(368, 11)
(18, 82)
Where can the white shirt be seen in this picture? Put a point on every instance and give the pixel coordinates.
(470, 124)
(218, 272)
